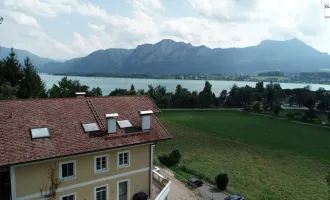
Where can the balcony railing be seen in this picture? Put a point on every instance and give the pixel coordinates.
(161, 186)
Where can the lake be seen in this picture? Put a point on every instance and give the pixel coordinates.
(108, 84)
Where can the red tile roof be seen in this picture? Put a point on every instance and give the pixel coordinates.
(63, 117)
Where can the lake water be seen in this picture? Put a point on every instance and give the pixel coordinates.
(109, 84)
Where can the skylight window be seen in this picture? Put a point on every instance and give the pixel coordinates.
(124, 124)
(90, 127)
(39, 133)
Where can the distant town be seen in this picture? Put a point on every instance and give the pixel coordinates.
(273, 76)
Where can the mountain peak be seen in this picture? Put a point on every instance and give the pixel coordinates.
(292, 41)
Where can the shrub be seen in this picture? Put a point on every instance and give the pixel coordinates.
(175, 157)
(221, 180)
(170, 160)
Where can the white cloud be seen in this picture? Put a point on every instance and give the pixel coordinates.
(96, 27)
(48, 8)
(214, 23)
(22, 18)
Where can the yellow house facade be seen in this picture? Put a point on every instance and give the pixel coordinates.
(86, 157)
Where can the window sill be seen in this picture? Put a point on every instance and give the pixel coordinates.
(101, 171)
(122, 166)
(68, 178)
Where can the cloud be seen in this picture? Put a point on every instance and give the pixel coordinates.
(22, 18)
(96, 27)
(214, 23)
(48, 8)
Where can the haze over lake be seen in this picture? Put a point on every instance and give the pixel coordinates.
(108, 84)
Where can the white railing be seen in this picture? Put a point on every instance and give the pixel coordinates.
(164, 193)
(164, 182)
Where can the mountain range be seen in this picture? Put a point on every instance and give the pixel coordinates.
(170, 57)
(22, 54)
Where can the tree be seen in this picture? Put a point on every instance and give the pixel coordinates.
(11, 69)
(206, 96)
(1, 20)
(221, 181)
(119, 92)
(276, 108)
(245, 96)
(256, 107)
(170, 160)
(323, 106)
(223, 97)
(31, 85)
(67, 88)
(270, 95)
(132, 88)
(51, 190)
(7, 91)
(95, 92)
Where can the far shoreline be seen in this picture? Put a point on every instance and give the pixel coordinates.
(186, 78)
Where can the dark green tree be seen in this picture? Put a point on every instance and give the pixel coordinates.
(31, 85)
(95, 92)
(11, 69)
(223, 97)
(323, 106)
(132, 88)
(67, 88)
(119, 92)
(260, 87)
(206, 98)
(141, 92)
(7, 91)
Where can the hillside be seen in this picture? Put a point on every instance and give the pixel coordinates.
(170, 57)
(22, 54)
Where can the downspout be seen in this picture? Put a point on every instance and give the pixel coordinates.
(151, 168)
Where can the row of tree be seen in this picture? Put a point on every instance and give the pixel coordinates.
(23, 81)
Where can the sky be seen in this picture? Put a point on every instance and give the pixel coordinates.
(65, 29)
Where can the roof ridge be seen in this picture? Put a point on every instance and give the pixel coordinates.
(68, 98)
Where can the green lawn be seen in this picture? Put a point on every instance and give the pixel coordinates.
(265, 158)
(321, 117)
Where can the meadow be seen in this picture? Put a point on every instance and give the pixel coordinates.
(265, 157)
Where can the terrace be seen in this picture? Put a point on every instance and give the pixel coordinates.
(160, 185)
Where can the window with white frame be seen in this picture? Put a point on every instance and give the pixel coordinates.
(69, 197)
(101, 193)
(101, 163)
(68, 170)
(123, 159)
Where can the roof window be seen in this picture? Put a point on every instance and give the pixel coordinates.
(90, 127)
(39, 132)
(124, 124)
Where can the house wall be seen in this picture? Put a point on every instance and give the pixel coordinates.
(31, 178)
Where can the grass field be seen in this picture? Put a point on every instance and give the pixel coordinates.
(321, 117)
(265, 158)
(265, 78)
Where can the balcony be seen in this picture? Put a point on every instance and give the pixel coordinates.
(160, 185)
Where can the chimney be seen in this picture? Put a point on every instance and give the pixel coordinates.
(112, 122)
(80, 94)
(145, 119)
